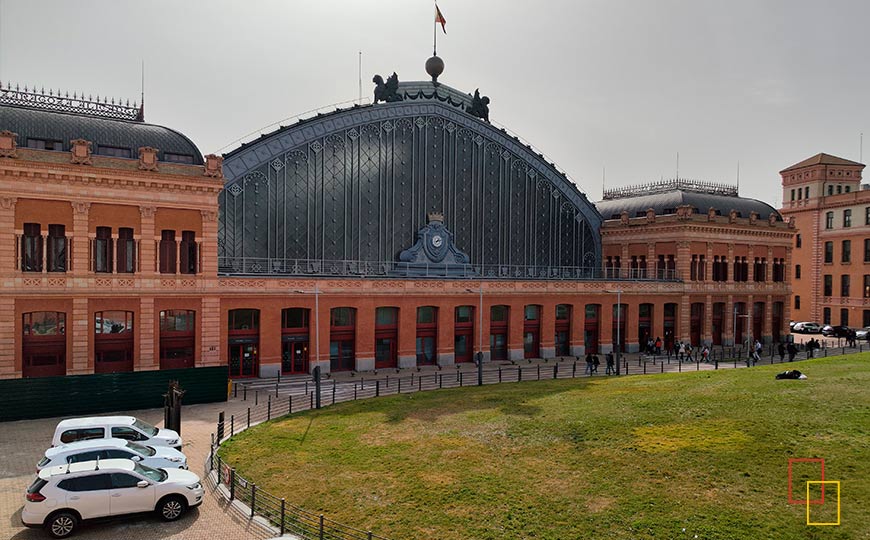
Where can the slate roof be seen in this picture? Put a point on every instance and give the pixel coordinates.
(51, 125)
(821, 159)
(667, 203)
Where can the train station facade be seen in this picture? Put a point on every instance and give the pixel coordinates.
(405, 233)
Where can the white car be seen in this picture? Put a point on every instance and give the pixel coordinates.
(63, 496)
(114, 427)
(90, 450)
(861, 333)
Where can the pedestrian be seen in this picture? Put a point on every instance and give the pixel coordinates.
(810, 345)
(595, 363)
(658, 345)
(588, 364)
(756, 352)
(792, 351)
(781, 350)
(682, 351)
(609, 359)
(705, 353)
(688, 352)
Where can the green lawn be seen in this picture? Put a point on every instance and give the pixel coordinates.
(660, 456)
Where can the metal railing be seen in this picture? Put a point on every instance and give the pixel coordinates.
(275, 398)
(255, 266)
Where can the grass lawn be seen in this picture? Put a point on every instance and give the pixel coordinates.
(660, 456)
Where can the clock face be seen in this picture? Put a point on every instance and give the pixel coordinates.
(437, 241)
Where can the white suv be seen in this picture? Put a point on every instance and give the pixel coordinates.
(89, 450)
(114, 427)
(62, 496)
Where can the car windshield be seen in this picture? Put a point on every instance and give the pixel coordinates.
(146, 427)
(157, 475)
(141, 449)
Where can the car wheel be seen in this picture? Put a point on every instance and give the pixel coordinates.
(172, 508)
(61, 525)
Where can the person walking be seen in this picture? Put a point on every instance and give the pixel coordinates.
(781, 350)
(682, 351)
(610, 369)
(595, 363)
(756, 352)
(792, 352)
(588, 364)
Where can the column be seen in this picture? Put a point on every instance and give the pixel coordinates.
(515, 329)
(365, 335)
(767, 329)
(207, 249)
(482, 333)
(578, 325)
(548, 329)
(446, 320)
(114, 256)
(44, 237)
(147, 329)
(658, 322)
(80, 239)
(708, 264)
(686, 320)
(769, 270)
(728, 337)
(708, 319)
(8, 255)
(730, 264)
(684, 260)
(407, 346)
(147, 245)
(177, 257)
(81, 331)
(210, 354)
(606, 336)
(750, 260)
(652, 261)
(625, 262)
(8, 346)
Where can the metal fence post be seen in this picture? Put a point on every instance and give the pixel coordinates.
(249, 417)
(519, 374)
(283, 504)
(220, 427)
(311, 401)
(253, 498)
(556, 370)
(662, 364)
(440, 381)
(269, 409)
(354, 392)
(333, 391)
(235, 390)
(400, 386)
(539, 372)
(245, 393)
(574, 370)
(499, 373)
(419, 383)
(321, 527)
(377, 388)
(232, 484)
(232, 425)
(460, 378)
(289, 404)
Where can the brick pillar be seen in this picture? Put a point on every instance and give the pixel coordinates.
(767, 329)
(149, 354)
(625, 262)
(684, 260)
(728, 338)
(8, 255)
(487, 306)
(708, 319)
(147, 251)
(208, 245)
(658, 322)
(210, 354)
(730, 264)
(606, 336)
(446, 319)
(750, 260)
(80, 332)
(548, 329)
(769, 269)
(685, 330)
(322, 328)
(365, 335)
(708, 264)
(8, 344)
(407, 347)
(652, 261)
(578, 325)
(515, 330)
(80, 239)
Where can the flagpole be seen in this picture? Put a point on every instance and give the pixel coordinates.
(435, 34)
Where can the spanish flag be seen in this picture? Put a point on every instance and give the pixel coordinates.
(439, 18)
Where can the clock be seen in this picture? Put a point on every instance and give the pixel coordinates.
(437, 241)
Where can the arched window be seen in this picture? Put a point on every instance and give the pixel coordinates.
(43, 344)
(177, 338)
(113, 341)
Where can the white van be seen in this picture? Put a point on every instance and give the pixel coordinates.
(114, 427)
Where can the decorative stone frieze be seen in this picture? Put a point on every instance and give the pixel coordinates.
(147, 158)
(80, 153)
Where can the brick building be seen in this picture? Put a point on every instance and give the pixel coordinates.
(398, 234)
(824, 198)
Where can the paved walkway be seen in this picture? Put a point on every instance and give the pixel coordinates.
(23, 442)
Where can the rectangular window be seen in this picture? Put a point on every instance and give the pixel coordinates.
(867, 250)
(867, 216)
(56, 248)
(178, 158)
(797, 271)
(797, 301)
(797, 241)
(45, 144)
(826, 316)
(103, 250)
(847, 218)
(829, 285)
(829, 252)
(126, 251)
(844, 316)
(188, 252)
(829, 220)
(844, 286)
(807, 192)
(839, 189)
(847, 251)
(113, 151)
(830, 189)
(866, 285)
(167, 252)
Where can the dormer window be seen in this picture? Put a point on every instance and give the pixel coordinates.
(113, 151)
(178, 158)
(45, 144)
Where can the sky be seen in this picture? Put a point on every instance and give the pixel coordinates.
(609, 90)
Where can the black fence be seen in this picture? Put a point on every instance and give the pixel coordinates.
(270, 400)
(71, 395)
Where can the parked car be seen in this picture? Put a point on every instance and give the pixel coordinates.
(89, 450)
(836, 331)
(861, 333)
(63, 496)
(806, 327)
(114, 427)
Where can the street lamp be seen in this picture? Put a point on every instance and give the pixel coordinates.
(618, 293)
(316, 321)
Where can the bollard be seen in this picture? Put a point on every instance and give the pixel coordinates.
(232, 426)
(499, 374)
(555, 371)
(680, 367)
(333, 391)
(644, 368)
(310, 401)
(519, 374)
(256, 397)
(715, 363)
(460, 378)
(269, 409)
(289, 404)
(698, 365)
(400, 386)
(419, 383)
(574, 370)
(282, 516)
(539, 372)
(354, 392)
(245, 393)
(377, 388)
(440, 381)
(662, 364)
(249, 417)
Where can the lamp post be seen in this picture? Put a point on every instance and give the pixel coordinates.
(618, 293)
(316, 320)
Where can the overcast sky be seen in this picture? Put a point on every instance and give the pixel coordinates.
(621, 85)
